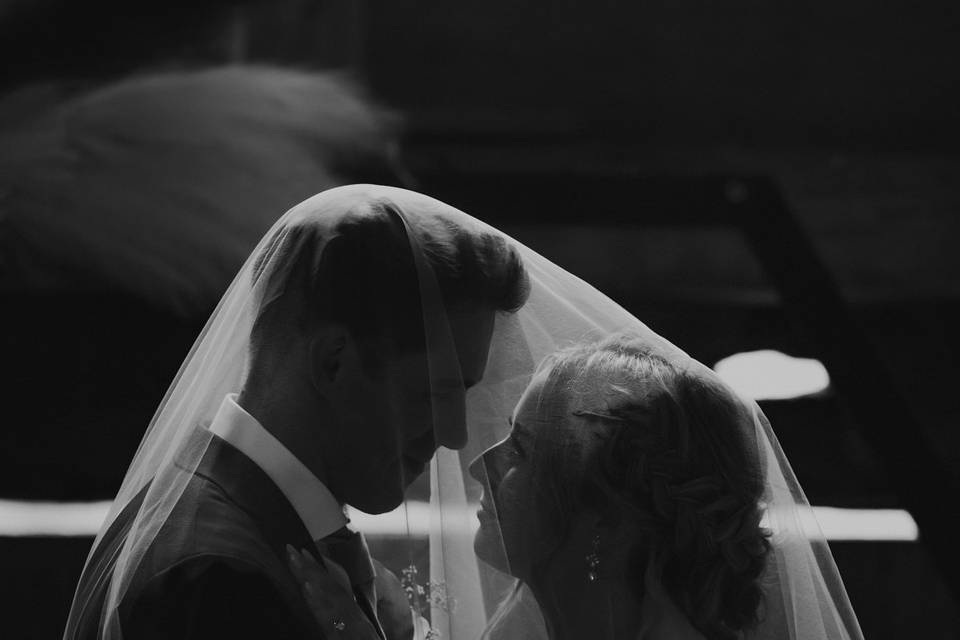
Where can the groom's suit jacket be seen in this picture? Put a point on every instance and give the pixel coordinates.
(217, 567)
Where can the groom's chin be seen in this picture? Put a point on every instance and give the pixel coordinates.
(384, 488)
(375, 503)
(378, 499)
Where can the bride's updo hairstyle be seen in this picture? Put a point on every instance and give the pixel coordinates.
(676, 463)
(363, 276)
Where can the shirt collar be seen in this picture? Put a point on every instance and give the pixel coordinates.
(310, 498)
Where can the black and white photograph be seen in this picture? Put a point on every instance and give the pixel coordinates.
(563, 320)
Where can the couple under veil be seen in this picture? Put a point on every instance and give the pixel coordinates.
(587, 478)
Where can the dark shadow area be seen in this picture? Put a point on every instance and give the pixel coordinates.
(601, 135)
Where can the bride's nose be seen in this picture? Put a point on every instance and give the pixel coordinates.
(478, 468)
(484, 467)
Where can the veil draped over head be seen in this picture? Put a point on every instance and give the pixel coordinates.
(429, 538)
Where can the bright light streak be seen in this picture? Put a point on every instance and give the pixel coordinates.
(413, 517)
(771, 375)
(887, 525)
(27, 518)
(21, 518)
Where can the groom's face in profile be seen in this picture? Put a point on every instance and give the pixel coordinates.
(393, 417)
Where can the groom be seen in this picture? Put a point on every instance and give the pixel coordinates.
(341, 405)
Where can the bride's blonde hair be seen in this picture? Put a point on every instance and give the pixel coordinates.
(677, 462)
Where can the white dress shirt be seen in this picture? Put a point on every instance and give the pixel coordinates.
(313, 502)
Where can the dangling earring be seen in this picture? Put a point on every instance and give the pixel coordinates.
(593, 560)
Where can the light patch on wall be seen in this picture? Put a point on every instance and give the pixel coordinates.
(887, 525)
(772, 375)
(22, 518)
(29, 518)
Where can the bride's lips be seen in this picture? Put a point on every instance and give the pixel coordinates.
(485, 515)
(487, 511)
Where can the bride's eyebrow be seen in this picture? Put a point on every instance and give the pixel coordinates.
(519, 432)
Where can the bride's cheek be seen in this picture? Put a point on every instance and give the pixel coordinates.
(506, 485)
(512, 494)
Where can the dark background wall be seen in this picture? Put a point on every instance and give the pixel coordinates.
(848, 75)
(850, 108)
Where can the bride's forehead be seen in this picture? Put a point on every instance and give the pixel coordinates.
(540, 401)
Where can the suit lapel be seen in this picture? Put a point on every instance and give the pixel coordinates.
(253, 491)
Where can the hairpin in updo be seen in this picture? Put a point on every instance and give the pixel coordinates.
(595, 414)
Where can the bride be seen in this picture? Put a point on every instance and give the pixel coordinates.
(626, 498)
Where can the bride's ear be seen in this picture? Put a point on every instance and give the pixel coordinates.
(326, 352)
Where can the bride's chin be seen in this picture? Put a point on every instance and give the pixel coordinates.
(481, 547)
(489, 549)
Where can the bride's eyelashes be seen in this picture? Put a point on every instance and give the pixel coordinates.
(517, 447)
(519, 442)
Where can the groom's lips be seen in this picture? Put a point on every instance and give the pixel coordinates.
(414, 466)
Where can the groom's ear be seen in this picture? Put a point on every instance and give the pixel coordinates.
(327, 347)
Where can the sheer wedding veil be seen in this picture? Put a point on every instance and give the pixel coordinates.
(433, 530)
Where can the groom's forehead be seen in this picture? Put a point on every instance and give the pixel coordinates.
(413, 369)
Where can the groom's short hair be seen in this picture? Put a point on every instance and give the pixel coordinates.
(365, 277)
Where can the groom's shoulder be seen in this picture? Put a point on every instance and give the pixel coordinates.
(213, 594)
(207, 524)
(209, 558)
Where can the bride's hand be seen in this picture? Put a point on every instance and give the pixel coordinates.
(326, 589)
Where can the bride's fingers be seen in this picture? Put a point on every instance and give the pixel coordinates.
(326, 589)
(322, 575)
(295, 562)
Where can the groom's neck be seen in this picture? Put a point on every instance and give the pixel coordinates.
(297, 425)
